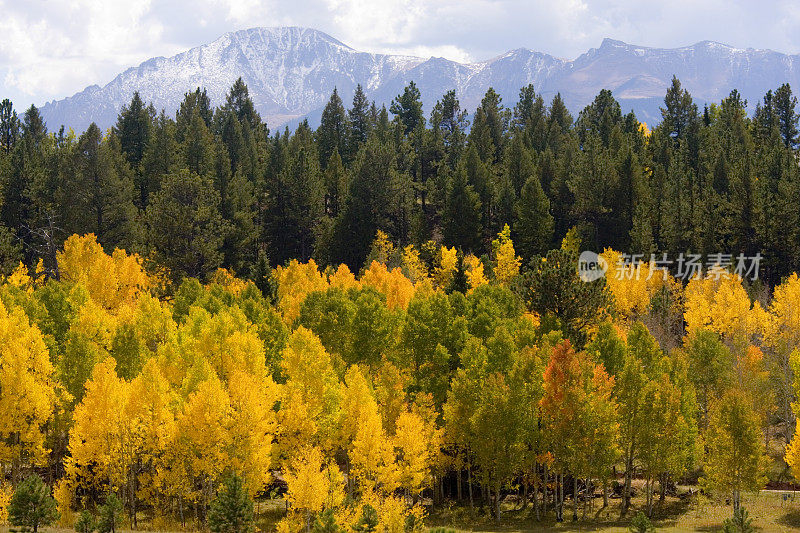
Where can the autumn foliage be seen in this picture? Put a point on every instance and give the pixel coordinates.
(368, 390)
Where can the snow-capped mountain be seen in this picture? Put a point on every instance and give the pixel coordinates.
(291, 73)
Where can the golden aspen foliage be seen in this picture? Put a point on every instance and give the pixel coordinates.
(397, 288)
(633, 285)
(413, 266)
(382, 249)
(113, 281)
(150, 408)
(474, 272)
(27, 390)
(723, 306)
(782, 330)
(357, 397)
(342, 278)
(20, 278)
(735, 460)
(507, 263)
(390, 393)
(5, 498)
(253, 427)
(98, 442)
(445, 269)
(225, 279)
(415, 444)
(311, 399)
(227, 340)
(313, 484)
(295, 282)
(63, 494)
(372, 453)
(203, 436)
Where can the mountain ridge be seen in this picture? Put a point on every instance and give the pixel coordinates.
(291, 72)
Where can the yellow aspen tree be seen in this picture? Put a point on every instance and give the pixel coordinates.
(506, 261)
(27, 391)
(311, 397)
(445, 269)
(735, 460)
(312, 483)
(226, 339)
(342, 278)
(295, 281)
(203, 430)
(782, 336)
(113, 281)
(415, 443)
(382, 249)
(5, 499)
(98, 444)
(413, 265)
(150, 408)
(390, 393)
(474, 272)
(253, 427)
(357, 398)
(371, 452)
(633, 285)
(723, 306)
(398, 289)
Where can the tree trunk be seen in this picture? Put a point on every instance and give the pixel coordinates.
(458, 486)
(536, 496)
(524, 494)
(545, 496)
(497, 501)
(626, 492)
(574, 498)
(469, 486)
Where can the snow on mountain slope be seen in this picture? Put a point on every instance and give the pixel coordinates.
(292, 71)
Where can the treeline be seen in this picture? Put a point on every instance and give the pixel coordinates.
(460, 381)
(212, 187)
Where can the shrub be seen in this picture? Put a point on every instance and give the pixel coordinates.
(232, 509)
(32, 505)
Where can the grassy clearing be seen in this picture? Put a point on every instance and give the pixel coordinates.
(769, 511)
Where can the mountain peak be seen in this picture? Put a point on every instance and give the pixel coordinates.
(291, 72)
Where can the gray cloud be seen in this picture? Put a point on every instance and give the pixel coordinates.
(52, 48)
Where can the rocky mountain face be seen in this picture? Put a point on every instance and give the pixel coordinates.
(291, 73)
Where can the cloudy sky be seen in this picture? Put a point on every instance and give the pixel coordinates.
(54, 48)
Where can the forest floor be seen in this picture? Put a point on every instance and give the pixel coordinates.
(768, 509)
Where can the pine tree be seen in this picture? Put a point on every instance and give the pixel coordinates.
(238, 102)
(232, 510)
(331, 136)
(184, 225)
(9, 126)
(786, 113)
(462, 215)
(160, 157)
(101, 195)
(408, 108)
(133, 130)
(533, 228)
(360, 121)
(368, 204)
(110, 514)
(32, 505)
(679, 112)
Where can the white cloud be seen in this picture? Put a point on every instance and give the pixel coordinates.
(51, 49)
